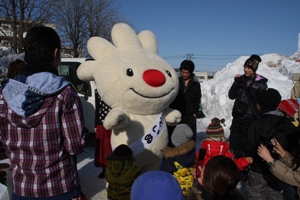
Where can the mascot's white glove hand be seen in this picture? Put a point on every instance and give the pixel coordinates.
(116, 118)
(172, 116)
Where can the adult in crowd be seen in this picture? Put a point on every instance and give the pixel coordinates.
(188, 98)
(42, 124)
(286, 168)
(244, 91)
(103, 146)
(272, 123)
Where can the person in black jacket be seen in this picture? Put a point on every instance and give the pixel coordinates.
(188, 98)
(244, 91)
(262, 184)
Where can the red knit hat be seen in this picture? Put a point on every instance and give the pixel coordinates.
(215, 129)
(289, 106)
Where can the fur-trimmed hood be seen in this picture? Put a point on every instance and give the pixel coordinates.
(170, 152)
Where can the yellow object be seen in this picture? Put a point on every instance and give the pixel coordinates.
(185, 177)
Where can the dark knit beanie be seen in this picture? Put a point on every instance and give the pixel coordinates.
(269, 99)
(215, 128)
(253, 62)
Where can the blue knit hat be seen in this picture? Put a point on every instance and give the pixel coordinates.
(158, 185)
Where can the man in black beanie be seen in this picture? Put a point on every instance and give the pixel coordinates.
(244, 91)
(262, 184)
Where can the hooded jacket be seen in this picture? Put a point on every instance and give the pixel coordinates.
(214, 146)
(120, 175)
(41, 128)
(180, 162)
(184, 155)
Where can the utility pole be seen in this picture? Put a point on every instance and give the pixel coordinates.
(189, 56)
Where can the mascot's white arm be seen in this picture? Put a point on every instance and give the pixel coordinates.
(116, 118)
(172, 116)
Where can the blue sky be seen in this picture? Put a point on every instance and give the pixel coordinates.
(216, 32)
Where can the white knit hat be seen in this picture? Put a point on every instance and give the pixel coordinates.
(181, 134)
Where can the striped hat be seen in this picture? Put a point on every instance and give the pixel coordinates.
(215, 129)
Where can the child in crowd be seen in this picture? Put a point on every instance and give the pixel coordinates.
(120, 173)
(180, 160)
(289, 107)
(156, 185)
(215, 143)
(218, 180)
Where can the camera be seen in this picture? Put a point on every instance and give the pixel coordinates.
(270, 146)
(272, 141)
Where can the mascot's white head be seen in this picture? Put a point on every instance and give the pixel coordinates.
(129, 74)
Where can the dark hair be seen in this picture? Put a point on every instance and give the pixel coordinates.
(221, 175)
(187, 65)
(14, 68)
(40, 43)
(123, 150)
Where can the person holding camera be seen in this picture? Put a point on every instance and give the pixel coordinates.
(244, 91)
(272, 123)
(286, 168)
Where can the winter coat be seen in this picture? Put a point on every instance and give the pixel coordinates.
(284, 170)
(184, 155)
(120, 175)
(244, 108)
(188, 98)
(180, 162)
(271, 124)
(214, 146)
(201, 193)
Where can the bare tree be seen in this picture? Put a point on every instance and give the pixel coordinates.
(78, 20)
(23, 14)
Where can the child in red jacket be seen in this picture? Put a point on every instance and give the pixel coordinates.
(215, 143)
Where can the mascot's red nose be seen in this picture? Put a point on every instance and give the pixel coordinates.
(154, 77)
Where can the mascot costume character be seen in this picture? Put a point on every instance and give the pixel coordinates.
(139, 86)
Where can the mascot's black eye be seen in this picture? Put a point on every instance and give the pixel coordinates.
(169, 73)
(129, 72)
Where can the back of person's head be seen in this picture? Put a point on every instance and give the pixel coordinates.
(123, 150)
(215, 129)
(221, 175)
(158, 185)
(15, 68)
(187, 65)
(268, 99)
(40, 43)
(289, 107)
(181, 135)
